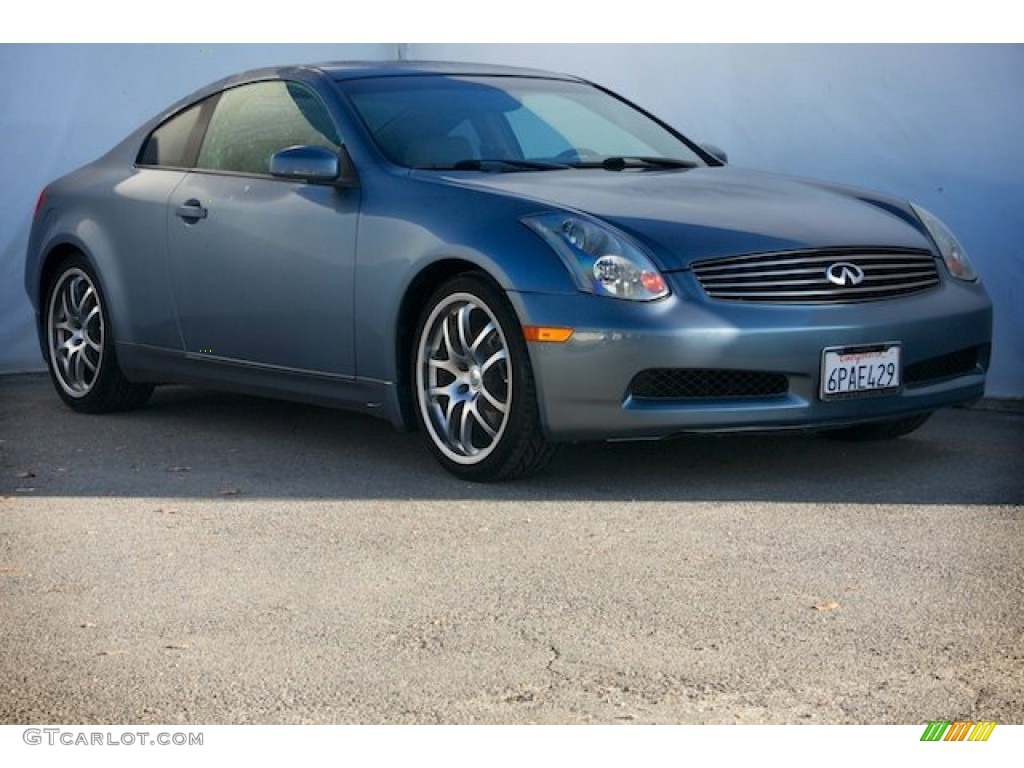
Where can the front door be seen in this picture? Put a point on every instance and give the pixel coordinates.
(262, 268)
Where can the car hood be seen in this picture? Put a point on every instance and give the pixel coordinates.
(691, 215)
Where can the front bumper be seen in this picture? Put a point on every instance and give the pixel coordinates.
(584, 384)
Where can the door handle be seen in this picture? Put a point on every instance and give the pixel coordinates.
(191, 211)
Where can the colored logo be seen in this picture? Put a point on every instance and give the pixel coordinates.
(958, 730)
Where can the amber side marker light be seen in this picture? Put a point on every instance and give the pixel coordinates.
(547, 334)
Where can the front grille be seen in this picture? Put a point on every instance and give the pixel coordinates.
(959, 363)
(706, 384)
(800, 277)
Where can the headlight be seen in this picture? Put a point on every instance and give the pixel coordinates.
(603, 260)
(953, 253)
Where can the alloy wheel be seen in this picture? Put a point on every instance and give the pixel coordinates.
(464, 378)
(76, 332)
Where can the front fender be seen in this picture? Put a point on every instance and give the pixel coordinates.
(407, 229)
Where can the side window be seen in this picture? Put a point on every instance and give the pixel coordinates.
(169, 145)
(252, 122)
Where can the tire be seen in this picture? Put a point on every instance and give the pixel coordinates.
(473, 386)
(80, 346)
(880, 430)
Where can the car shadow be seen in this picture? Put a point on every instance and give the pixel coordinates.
(192, 443)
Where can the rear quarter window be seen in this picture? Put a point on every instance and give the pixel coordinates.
(170, 145)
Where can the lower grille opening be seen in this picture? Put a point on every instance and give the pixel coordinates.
(959, 363)
(706, 384)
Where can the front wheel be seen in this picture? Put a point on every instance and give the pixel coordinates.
(473, 384)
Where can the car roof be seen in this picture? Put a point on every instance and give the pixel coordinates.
(352, 70)
(358, 70)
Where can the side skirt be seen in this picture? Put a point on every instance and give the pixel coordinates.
(142, 363)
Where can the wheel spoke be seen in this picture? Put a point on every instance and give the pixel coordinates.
(447, 390)
(482, 421)
(88, 361)
(78, 372)
(65, 311)
(76, 294)
(94, 314)
(446, 339)
(498, 405)
(448, 366)
(466, 430)
(71, 291)
(497, 357)
(449, 423)
(462, 319)
(63, 354)
(92, 332)
(481, 337)
(87, 298)
(449, 414)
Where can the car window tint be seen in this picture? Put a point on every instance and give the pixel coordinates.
(168, 145)
(434, 122)
(252, 122)
(536, 137)
(550, 123)
(468, 131)
(431, 122)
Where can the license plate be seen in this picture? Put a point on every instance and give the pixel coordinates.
(854, 371)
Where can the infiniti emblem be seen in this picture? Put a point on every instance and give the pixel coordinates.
(844, 274)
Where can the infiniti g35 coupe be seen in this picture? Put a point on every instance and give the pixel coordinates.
(507, 259)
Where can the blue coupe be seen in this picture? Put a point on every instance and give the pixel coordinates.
(507, 259)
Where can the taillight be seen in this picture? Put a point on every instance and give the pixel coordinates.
(39, 203)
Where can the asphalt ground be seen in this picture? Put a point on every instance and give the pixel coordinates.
(223, 559)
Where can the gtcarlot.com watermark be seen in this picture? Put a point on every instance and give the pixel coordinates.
(76, 738)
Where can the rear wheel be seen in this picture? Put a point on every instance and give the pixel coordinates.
(880, 430)
(473, 384)
(80, 349)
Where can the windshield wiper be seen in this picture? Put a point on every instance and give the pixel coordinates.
(507, 163)
(617, 163)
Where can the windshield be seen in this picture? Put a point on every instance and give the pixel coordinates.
(510, 123)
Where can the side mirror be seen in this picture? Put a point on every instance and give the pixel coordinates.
(716, 152)
(317, 165)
